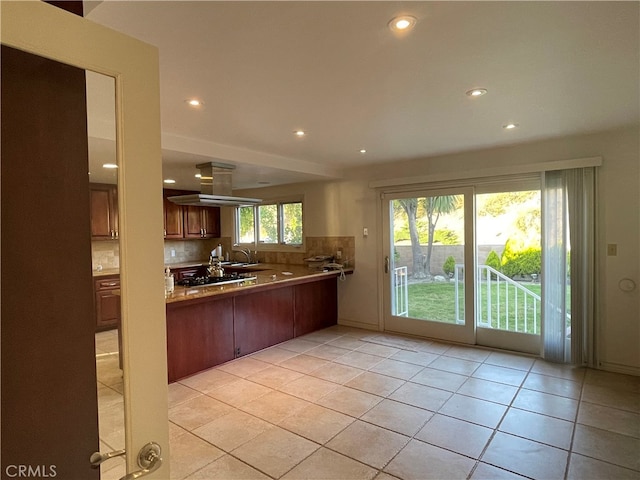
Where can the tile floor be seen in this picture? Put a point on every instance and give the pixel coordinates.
(345, 404)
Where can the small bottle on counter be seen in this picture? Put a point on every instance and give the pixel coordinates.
(169, 285)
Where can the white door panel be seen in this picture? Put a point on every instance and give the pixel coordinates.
(44, 30)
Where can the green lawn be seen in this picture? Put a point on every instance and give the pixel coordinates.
(436, 301)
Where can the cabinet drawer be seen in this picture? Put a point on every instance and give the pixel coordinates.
(107, 283)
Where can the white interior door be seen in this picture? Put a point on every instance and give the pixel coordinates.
(44, 30)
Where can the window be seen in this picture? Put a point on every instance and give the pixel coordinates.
(276, 223)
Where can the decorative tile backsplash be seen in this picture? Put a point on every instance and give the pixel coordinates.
(106, 253)
(316, 246)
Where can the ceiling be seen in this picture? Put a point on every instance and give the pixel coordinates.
(335, 70)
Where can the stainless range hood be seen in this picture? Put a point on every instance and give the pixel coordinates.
(215, 188)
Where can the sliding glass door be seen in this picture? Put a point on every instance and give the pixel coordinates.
(428, 249)
(464, 264)
(508, 273)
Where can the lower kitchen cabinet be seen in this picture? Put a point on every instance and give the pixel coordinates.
(212, 330)
(262, 319)
(107, 303)
(199, 336)
(315, 307)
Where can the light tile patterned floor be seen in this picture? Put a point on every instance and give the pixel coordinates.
(351, 404)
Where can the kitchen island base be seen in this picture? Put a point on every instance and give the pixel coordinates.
(207, 331)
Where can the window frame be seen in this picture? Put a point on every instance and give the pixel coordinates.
(279, 246)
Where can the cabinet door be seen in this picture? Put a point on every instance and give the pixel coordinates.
(107, 304)
(201, 222)
(199, 336)
(263, 319)
(192, 222)
(107, 310)
(104, 207)
(173, 223)
(211, 222)
(316, 305)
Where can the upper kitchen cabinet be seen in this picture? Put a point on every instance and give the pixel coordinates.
(201, 222)
(104, 211)
(173, 217)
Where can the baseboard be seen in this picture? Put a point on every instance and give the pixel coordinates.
(364, 326)
(619, 368)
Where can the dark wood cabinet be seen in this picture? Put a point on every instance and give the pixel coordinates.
(187, 221)
(262, 319)
(173, 217)
(315, 306)
(201, 222)
(207, 331)
(107, 303)
(199, 336)
(104, 211)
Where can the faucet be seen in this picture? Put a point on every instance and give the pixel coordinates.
(246, 251)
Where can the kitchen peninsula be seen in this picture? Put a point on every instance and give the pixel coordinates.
(209, 325)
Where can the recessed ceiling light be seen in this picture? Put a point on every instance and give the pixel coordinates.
(476, 92)
(362, 150)
(402, 23)
(510, 126)
(300, 133)
(194, 102)
(109, 165)
(169, 180)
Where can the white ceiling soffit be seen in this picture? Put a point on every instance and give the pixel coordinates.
(334, 69)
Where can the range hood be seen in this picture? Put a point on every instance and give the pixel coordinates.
(215, 188)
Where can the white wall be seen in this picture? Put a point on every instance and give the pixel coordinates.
(346, 207)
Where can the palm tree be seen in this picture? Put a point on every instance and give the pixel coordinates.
(410, 207)
(434, 207)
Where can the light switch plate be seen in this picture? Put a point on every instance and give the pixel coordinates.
(612, 249)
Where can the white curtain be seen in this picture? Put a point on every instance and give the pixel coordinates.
(568, 198)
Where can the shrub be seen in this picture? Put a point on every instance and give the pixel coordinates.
(525, 262)
(449, 265)
(493, 260)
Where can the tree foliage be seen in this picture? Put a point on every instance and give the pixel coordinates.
(432, 207)
(292, 223)
(498, 203)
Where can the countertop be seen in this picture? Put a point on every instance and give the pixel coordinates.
(268, 275)
(106, 271)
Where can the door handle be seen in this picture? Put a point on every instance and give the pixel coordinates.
(149, 460)
(386, 264)
(97, 458)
